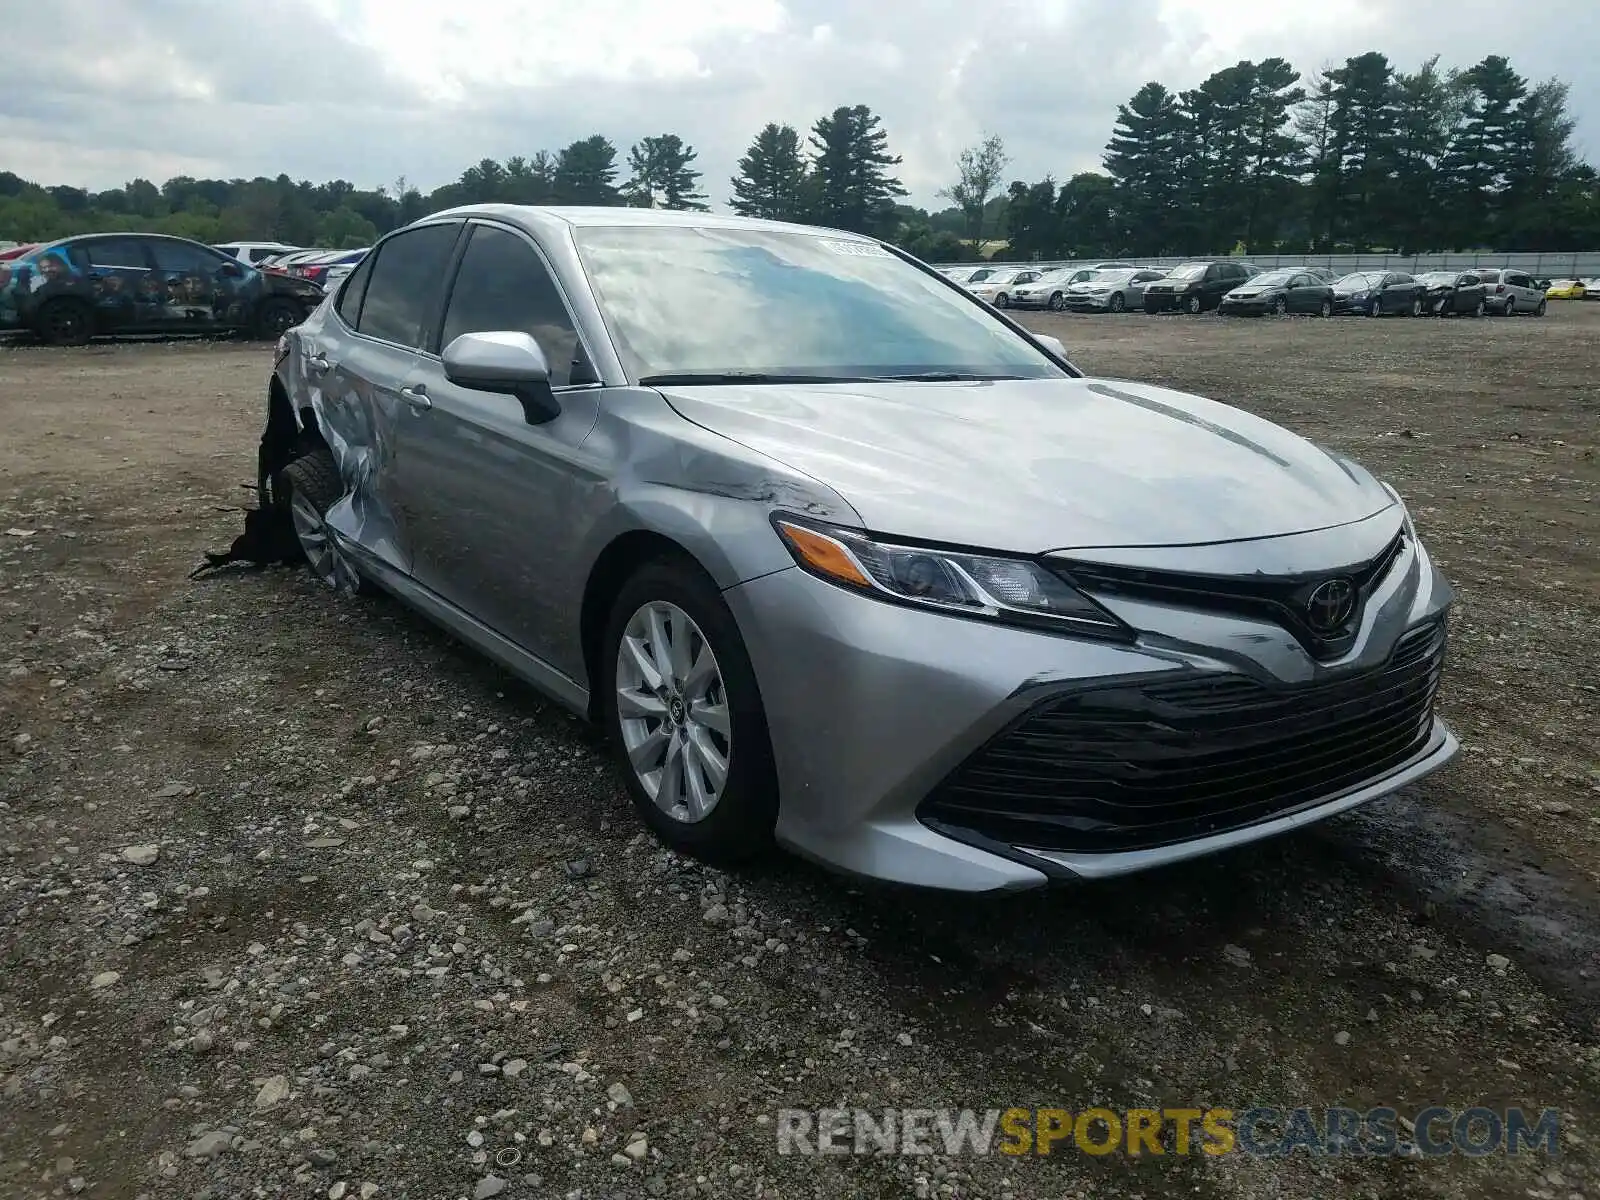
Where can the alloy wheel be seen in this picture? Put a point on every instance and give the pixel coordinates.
(326, 560)
(672, 709)
(1416, 306)
(1280, 306)
(1057, 302)
(1327, 308)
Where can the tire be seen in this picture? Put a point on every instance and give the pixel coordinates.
(275, 317)
(1057, 302)
(1480, 309)
(66, 322)
(1539, 312)
(309, 486)
(674, 596)
(1117, 303)
(1326, 309)
(1416, 306)
(1192, 305)
(1280, 307)
(1375, 309)
(1002, 301)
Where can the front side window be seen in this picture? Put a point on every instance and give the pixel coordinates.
(1188, 271)
(180, 258)
(1277, 279)
(403, 289)
(503, 284)
(708, 301)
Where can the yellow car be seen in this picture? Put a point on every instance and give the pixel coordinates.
(1565, 289)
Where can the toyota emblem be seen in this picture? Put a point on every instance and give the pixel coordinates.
(1330, 605)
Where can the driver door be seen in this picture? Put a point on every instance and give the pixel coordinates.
(495, 504)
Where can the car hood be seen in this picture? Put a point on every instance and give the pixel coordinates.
(291, 285)
(1036, 465)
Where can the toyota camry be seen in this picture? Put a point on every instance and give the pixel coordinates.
(845, 560)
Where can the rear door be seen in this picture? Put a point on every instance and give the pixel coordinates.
(123, 285)
(202, 286)
(491, 499)
(361, 358)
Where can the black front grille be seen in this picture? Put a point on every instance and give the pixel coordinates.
(1280, 599)
(1148, 763)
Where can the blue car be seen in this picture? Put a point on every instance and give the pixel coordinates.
(69, 291)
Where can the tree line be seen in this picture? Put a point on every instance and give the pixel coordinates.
(1361, 156)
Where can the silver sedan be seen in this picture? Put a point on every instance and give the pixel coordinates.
(843, 559)
(1115, 291)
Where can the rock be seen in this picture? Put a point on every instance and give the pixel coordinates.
(324, 843)
(273, 1093)
(209, 1145)
(579, 868)
(1237, 955)
(337, 1191)
(1497, 962)
(475, 1138)
(903, 1038)
(321, 1158)
(489, 1185)
(368, 1191)
(619, 1095)
(637, 1148)
(717, 914)
(459, 812)
(1341, 1038)
(141, 856)
(105, 979)
(621, 1160)
(514, 1068)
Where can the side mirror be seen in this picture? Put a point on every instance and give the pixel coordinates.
(507, 362)
(231, 270)
(1052, 344)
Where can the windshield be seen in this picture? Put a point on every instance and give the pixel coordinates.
(1187, 271)
(1112, 276)
(1437, 277)
(706, 301)
(1053, 275)
(1271, 279)
(1364, 279)
(1000, 277)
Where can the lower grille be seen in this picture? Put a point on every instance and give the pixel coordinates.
(1135, 765)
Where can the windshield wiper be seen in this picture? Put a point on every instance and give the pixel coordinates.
(942, 377)
(686, 378)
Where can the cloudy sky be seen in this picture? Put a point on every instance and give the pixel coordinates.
(101, 91)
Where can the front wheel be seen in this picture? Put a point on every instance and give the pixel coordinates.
(276, 317)
(1002, 301)
(1479, 308)
(1416, 306)
(1325, 309)
(1192, 305)
(1117, 303)
(682, 704)
(1057, 302)
(1539, 312)
(1280, 306)
(1375, 309)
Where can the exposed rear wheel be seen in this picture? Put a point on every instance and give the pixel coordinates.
(1539, 312)
(275, 317)
(682, 704)
(1192, 305)
(311, 484)
(1416, 306)
(1279, 306)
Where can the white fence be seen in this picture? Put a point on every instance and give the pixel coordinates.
(1581, 265)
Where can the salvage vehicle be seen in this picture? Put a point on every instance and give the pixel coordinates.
(1453, 292)
(1286, 290)
(1566, 289)
(1379, 293)
(121, 283)
(843, 558)
(1195, 286)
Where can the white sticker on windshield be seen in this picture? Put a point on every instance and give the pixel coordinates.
(855, 249)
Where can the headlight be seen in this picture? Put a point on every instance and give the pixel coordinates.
(1015, 590)
(1358, 295)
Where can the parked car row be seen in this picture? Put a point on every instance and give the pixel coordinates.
(67, 291)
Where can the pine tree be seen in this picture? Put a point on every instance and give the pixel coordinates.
(1143, 160)
(1540, 164)
(851, 161)
(586, 173)
(1275, 156)
(1031, 222)
(1313, 123)
(771, 182)
(1478, 165)
(662, 176)
(1429, 106)
(1363, 122)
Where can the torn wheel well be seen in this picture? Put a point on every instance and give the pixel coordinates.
(611, 570)
(284, 438)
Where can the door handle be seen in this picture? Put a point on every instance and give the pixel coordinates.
(319, 363)
(417, 397)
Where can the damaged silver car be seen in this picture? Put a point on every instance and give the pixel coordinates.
(844, 559)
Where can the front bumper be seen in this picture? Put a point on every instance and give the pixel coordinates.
(1084, 302)
(1243, 307)
(873, 708)
(1348, 304)
(1164, 301)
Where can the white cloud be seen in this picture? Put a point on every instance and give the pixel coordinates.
(367, 90)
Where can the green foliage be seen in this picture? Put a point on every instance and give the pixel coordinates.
(662, 176)
(773, 179)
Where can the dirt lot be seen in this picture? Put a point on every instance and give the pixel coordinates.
(299, 898)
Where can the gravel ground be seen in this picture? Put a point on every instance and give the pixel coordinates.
(300, 898)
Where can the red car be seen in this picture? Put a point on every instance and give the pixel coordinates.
(17, 251)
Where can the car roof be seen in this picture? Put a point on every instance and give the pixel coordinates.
(547, 218)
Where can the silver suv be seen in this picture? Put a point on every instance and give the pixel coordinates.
(1508, 292)
(843, 558)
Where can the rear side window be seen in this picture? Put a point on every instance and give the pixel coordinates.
(503, 284)
(111, 253)
(354, 291)
(261, 252)
(403, 288)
